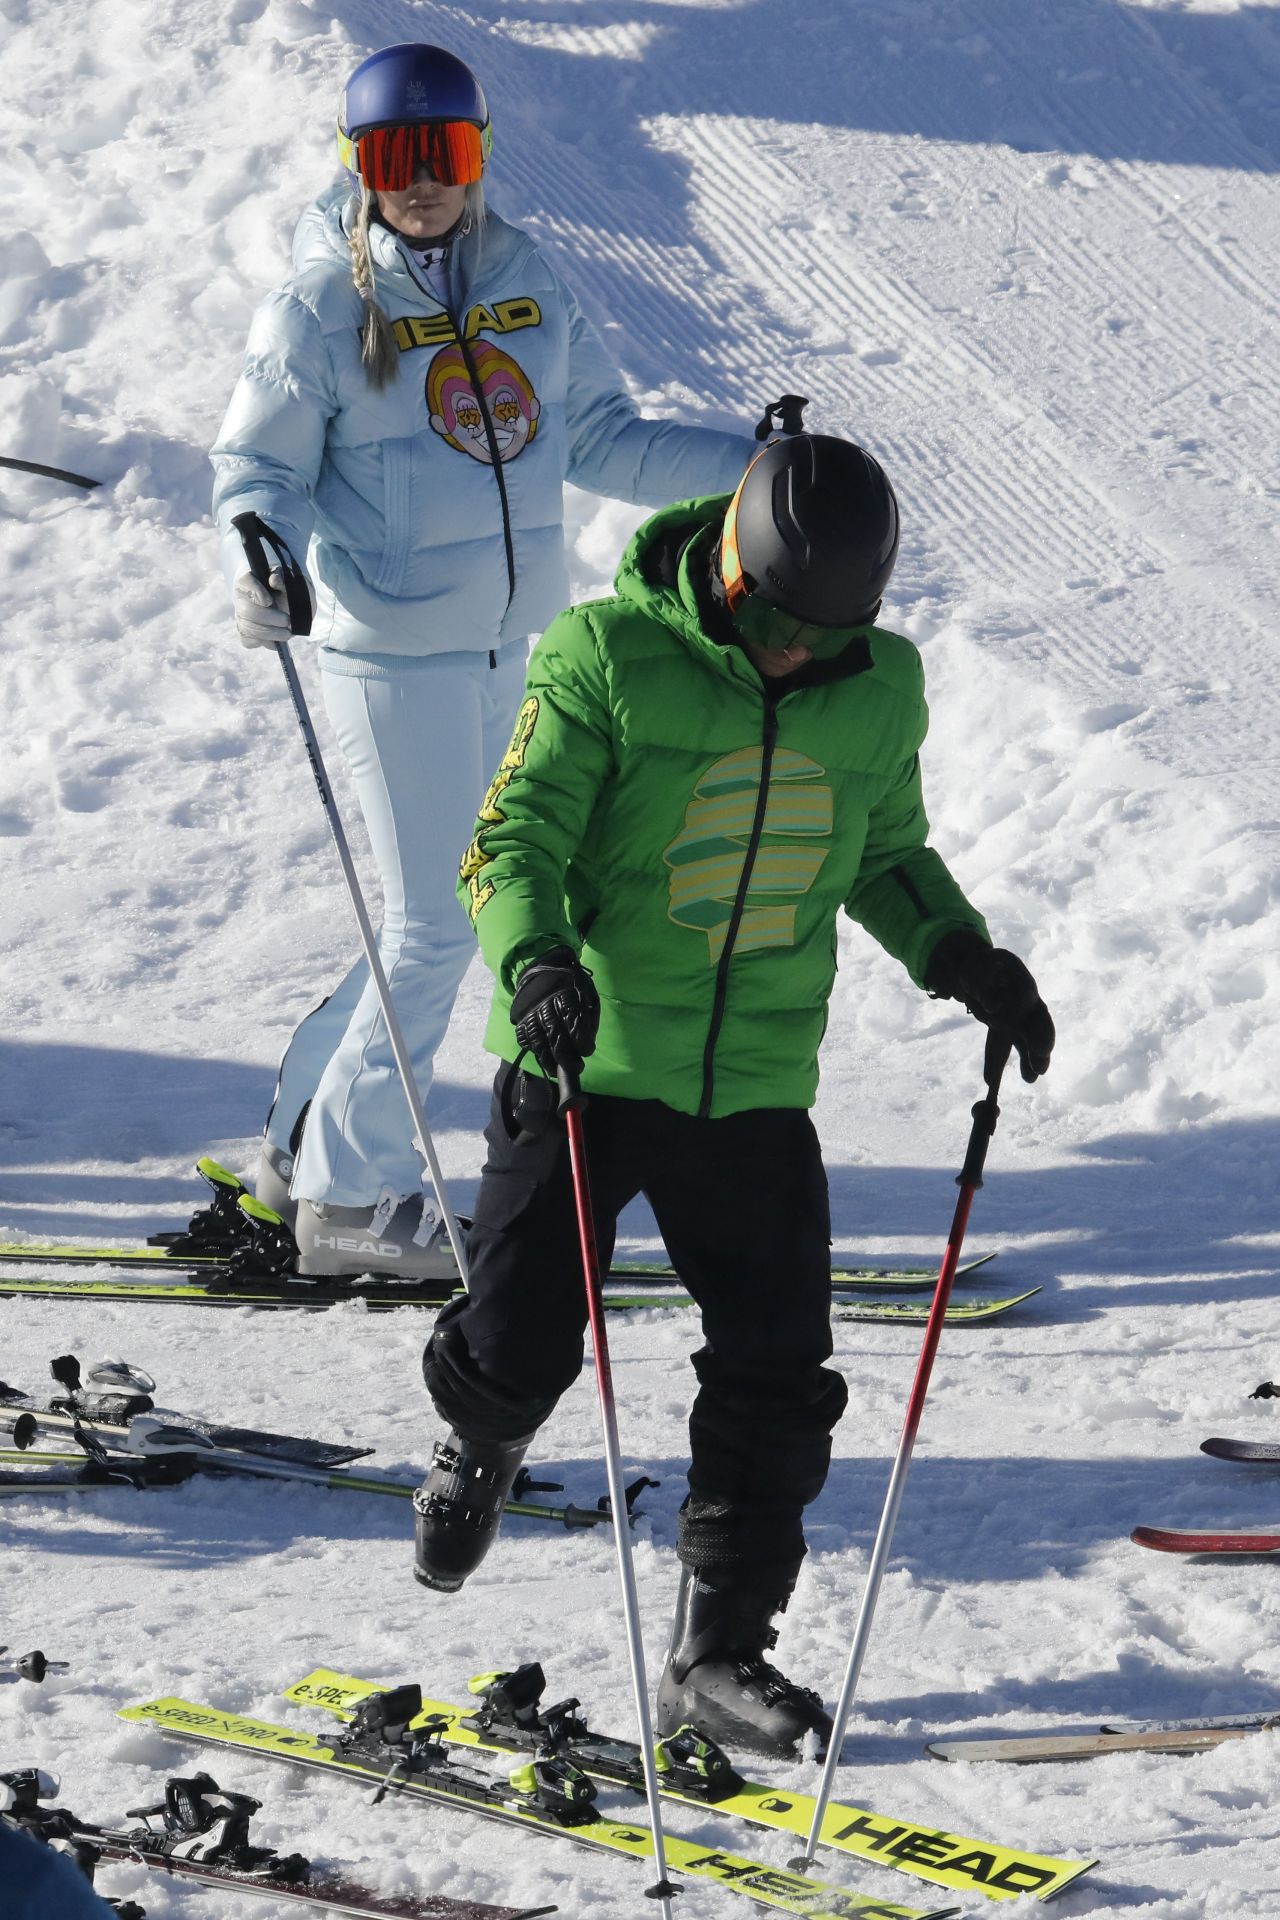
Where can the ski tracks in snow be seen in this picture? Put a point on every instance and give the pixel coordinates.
(1025, 253)
(1086, 451)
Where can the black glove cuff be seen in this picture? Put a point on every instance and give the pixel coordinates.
(946, 975)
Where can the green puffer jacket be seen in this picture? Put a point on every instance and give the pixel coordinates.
(693, 829)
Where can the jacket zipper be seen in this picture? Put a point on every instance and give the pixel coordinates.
(739, 906)
(464, 347)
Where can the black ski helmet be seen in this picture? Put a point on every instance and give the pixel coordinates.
(813, 530)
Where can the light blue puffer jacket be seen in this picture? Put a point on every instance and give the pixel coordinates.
(395, 489)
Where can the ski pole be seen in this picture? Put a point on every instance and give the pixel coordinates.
(190, 1453)
(257, 536)
(969, 1179)
(572, 1101)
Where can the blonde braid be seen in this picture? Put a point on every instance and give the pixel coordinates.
(378, 348)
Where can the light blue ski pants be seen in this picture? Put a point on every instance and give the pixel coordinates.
(421, 741)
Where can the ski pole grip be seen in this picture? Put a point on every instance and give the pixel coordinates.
(256, 536)
(581, 1516)
(995, 1059)
(986, 1112)
(572, 1098)
(66, 1371)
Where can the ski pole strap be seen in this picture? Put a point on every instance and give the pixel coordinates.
(514, 1125)
(986, 1112)
(256, 536)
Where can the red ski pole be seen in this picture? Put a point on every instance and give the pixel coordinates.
(572, 1101)
(969, 1179)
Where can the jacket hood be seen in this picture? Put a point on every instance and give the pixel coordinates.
(660, 569)
(320, 239)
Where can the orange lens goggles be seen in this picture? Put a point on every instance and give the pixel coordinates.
(388, 158)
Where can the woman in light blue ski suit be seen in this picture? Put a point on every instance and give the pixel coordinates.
(412, 401)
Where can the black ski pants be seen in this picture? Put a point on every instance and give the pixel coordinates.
(742, 1205)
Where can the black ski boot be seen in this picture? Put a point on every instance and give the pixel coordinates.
(718, 1680)
(458, 1508)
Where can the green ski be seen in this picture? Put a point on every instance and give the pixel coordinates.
(28, 1470)
(380, 1296)
(31, 1253)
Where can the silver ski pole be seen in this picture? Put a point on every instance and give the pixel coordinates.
(572, 1101)
(969, 1179)
(256, 536)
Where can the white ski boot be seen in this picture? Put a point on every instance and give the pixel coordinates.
(393, 1236)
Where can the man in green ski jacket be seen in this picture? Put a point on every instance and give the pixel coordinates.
(707, 767)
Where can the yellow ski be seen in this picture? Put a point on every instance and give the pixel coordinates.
(490, 1797)
(929, 1853)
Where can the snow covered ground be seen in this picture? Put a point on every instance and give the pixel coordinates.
(1020, 248)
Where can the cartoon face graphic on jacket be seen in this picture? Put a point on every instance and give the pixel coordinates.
(455, 409)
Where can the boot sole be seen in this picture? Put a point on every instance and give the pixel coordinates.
(436, 1585)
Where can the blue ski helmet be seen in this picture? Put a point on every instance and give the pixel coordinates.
(408, 82)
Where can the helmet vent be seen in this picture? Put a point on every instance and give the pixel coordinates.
(787, 518)
(890, 544)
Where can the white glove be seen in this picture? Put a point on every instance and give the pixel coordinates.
(262, 613)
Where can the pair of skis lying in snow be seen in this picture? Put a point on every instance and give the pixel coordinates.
(200, 1833)
(1220, 1540)
(237, 1253)
(124, 1439)
(214, 1283)
(1154, 1736)
(399, 1742)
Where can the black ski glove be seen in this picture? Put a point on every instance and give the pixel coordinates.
(556, 1011)
(998, 990)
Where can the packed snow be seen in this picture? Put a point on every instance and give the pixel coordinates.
(1020, 249)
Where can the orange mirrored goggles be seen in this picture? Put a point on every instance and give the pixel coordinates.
(388, 158)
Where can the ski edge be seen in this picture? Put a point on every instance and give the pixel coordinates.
(59, 1254)
(1032, 1749)
(1253, 1453)
(1260, 1722)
